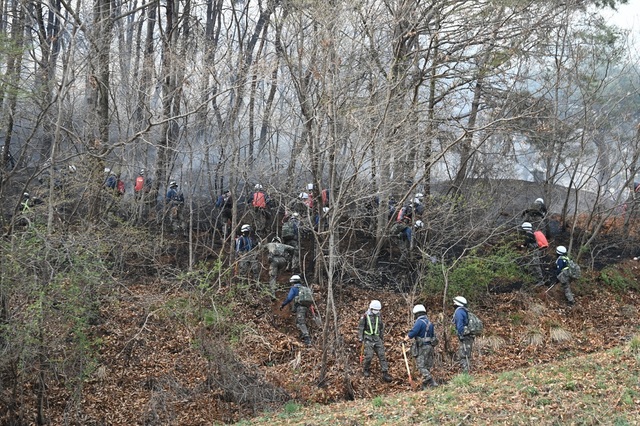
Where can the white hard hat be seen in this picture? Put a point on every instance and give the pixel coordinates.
(459, 301)
(276, 240)
(375, 305)
(258, 186)
(526, 226)
(419, 308)
(245, 228)
(295, 214)
(295, 279)
(325, 209)
(419, 224)
(72, 168)
(539, 200)
(419, 195)
(141, 172)
(106, 169)
(561, 250)
(173, 184)
(303, 195)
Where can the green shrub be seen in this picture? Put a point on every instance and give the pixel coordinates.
(474, 275)
(611, 277)
(378, 401)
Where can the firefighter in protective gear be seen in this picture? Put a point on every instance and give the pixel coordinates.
(300, 310)
(174, 204)
(260, 202)
(246, 255)
(535, 257)
(562, 275)
(371, 333)
(422, 349)
(291, 237)
(460, 320)
(279, 256)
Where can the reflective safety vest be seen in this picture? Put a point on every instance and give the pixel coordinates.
(372, 331)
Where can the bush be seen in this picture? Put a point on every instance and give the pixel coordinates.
(613, 278)
(474, 275)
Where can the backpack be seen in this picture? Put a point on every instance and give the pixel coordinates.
(474, 325)
(541, 239)
(139, 184)
(325, 197)
(305, 296)
(259, 200)
(573, 269)
(288, 230)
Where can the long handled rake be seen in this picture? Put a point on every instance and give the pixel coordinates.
(406, 363)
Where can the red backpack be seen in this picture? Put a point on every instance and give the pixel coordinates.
(259, 200)
(139, 183)
(541, 239)
(120, 187)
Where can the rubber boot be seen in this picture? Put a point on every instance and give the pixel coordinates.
(386, 377)
(429, 384)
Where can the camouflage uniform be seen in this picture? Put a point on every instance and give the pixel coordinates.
(300, 311)
(278, 257)
(535, 254)
(293, 242)
(562, 269)
(371, 332)
(461, 319)
(422, 348)
(247, 257)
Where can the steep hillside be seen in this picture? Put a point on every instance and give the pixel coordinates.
(162, 361)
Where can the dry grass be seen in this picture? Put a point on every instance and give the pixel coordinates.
(537, 309)
(533, 337)
(559, 334)
(490, 343)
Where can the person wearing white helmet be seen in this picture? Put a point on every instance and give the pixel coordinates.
(245, 254)
(302, 299)
(306, 198)
(535, 254)
(371, 334)
(279, 256)
(562, 273)
(460, 320)
(422, 348)
(260, 203)
(174, 202)
(535, 213)
(111, 180)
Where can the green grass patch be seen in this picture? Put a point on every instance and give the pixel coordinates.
(601, 386)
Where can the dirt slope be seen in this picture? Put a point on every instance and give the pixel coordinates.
(152, 369)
